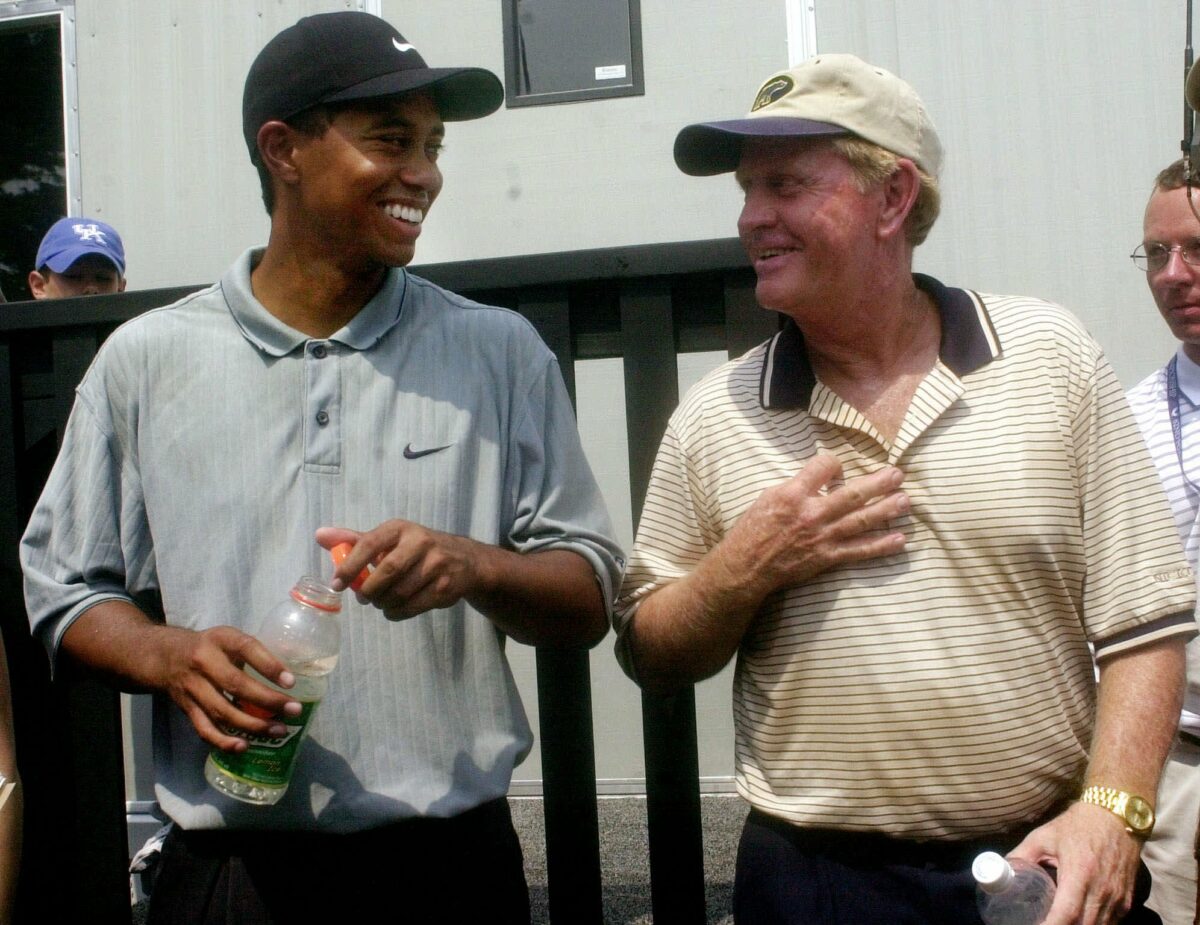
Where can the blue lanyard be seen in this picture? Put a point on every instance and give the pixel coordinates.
(1176, 426)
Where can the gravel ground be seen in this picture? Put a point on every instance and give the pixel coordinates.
(624, 857)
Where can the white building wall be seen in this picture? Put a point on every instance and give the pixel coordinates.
(1055, 118)
(163, 158)
(573, 176)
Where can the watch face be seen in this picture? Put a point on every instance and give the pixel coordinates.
(1139, 815)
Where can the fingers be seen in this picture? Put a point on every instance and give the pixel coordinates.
(328, 537)
(857, 494)
(792, 532)
(1096, 860)
(350, 567)
(860, 548)
(426, 570)
(205, 672)
(856, 512)
(817, 473)
(415, 569)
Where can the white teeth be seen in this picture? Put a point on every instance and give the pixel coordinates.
(404, 213)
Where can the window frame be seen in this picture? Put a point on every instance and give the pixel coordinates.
(634, 85)
(64, 10)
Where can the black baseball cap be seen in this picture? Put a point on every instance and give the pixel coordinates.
(348, 55)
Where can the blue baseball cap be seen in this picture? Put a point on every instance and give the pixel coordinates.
(71, 238)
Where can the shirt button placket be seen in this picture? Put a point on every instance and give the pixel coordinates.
(322, 444)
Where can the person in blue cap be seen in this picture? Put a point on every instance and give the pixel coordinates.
(77, 257)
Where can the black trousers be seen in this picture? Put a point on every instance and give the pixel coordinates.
(464, 869)
(787, 875)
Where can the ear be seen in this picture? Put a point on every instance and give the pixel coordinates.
(37, 285)
(121, 285)
(900, 192)
(277, 147)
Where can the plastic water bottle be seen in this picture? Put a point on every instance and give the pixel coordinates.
(303, 632)
(1011, 892)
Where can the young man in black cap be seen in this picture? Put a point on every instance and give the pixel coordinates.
(320, 384)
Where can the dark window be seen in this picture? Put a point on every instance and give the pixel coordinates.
(558, 51)
(33, 181)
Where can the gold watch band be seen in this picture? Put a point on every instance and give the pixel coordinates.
(1135, 811)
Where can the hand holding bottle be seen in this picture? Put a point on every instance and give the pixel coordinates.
(1012, 891)
(303, 632)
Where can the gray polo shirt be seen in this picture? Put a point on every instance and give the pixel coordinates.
(208, 441)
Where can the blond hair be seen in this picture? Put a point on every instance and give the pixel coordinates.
(872, 165)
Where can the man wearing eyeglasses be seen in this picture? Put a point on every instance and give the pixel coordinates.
(1167, 406)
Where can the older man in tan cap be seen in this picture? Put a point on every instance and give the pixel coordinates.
(907, 515)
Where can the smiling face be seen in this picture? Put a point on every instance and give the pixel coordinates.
(364, 186)
(805, 224)
(1176, 287)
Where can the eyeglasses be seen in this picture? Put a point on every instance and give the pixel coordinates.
(1150, 258)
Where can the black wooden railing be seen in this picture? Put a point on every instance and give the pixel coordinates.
(644, 304)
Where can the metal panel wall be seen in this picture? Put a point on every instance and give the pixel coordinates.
(1055, 118)
(163, 159)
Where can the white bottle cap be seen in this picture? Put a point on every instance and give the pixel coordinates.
(992, 872)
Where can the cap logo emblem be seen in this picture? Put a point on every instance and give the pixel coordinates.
(771, 91)
(88, 233)
(403, 46)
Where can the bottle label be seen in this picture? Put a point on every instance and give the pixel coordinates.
(267, 761)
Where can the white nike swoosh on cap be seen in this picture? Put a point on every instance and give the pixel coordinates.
(403, 47)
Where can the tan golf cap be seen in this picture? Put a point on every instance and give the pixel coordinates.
(825, 95)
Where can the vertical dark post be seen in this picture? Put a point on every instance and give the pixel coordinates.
(91, 723)
(565, 711)
(39, 891)
(669, 722)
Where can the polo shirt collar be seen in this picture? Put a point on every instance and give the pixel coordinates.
(273, 337)
(968, 343)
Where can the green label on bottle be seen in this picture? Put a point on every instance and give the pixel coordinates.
(268, 761)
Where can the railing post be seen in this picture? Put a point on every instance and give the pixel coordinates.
(669, 723)
(565, 712)
(75, 864)
(90, 713)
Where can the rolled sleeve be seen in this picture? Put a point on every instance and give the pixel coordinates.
(86, 539)
(556, 502)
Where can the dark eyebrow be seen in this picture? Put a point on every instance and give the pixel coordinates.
(400, 122)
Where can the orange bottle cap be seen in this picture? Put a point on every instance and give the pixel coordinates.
(339, 554)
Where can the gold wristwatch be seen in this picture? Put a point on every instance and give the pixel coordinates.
(1135, 812)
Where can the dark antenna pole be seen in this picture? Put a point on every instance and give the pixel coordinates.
(1189, 118)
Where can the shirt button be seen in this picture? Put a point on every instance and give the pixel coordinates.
(319, 351)
(322, 418)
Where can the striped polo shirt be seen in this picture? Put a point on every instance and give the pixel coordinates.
(947, 691)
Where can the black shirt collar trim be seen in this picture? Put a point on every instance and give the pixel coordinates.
(787, 378)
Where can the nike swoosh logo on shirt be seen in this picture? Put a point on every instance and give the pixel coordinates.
(410, 453)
